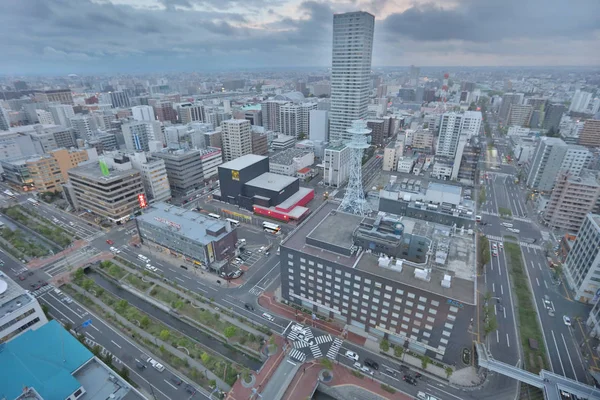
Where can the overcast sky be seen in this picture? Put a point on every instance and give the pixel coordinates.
(83, 36)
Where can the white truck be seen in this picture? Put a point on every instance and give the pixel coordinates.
(425, 396)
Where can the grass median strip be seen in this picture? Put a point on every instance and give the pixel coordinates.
(535, 359)
(46, 228)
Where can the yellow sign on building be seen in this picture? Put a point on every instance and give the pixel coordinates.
(235, 175)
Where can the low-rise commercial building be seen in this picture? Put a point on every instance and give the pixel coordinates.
(377, 277)
(113, 195)
(283, 142)
(392, 152)
(50, 171)
(289, 161)
(193, 237)
(406, 164)
(19, 311)
(442, 170)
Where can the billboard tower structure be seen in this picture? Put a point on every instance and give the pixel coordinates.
(354, 201)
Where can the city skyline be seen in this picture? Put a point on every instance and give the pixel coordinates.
(139, 36)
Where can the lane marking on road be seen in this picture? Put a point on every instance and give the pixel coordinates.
(95, 328)
(294, 364)
(532, 266)
(199, 288)
(546, 284)
(60, 312)
(443, 391)
(558, 353)
(87, 333)
(537, 281)
(504, 311)
(507, 340)
(495, 310)
(493, 287)
(115, 343)
(179, 279)
(540, 266)
(497, 337)
(501, 289)
(169, 383)
(569, 355)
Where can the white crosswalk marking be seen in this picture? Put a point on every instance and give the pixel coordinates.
(531, 246)
(308, 335)
(256, 291)
(334, 349)
(316, 351)
(323, 339)
(300, 344)
(297, 355)
(70, 260)
(42, 290)
(495, 238)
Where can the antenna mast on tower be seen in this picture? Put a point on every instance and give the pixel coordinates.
(354, 201)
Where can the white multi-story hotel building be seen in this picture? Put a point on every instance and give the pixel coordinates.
(582, 266)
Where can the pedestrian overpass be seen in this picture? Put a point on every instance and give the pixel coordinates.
(550, 383)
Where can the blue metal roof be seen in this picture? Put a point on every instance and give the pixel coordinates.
(44, 359)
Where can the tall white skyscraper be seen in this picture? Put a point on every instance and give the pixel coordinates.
(455, 126)
(138, 134)
(350, 70)
(143, 113)
(4, 120)
(580, 101)
(237, 138)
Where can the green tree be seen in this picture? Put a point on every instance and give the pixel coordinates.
(164, 335)
(124, 372)
(145, 322)
(212, 383)
(87, 284)
(449, 371)
(481, 197)
(108, 359)
(399, 351)
(384, 345)
(96, 350)
(230, 331)
(491, 325)
(206, 358)
(472, 106)
(552, 132)
(326, 363)
(121, 306)
(425, 361)
(78, 274)
(302, 136)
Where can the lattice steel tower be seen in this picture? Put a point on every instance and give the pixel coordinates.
(354, 200)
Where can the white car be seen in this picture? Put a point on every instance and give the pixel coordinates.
(351, 355)
(151, 268)
(425, 396)
(158, 366)
(297, 328)
(357, 365)
(68, 300)
(366, 370)
(567, 320)
(513, 230)
(268, 317)
(494, 246)
(114, 250)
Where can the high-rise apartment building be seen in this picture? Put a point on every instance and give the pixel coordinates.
(289, 119)
(184, 170)
(4, 120)
(260, 143)
(63, 96)
(271, 114)
(137, 134)
(119, 99)
(164, 111)
(318, 130)
(44, 117)
(507, 100)
(590, 134)
(62, 113)
(113, 196)
(580, 101)
(551, 157)
(552, 115)
(83, 126)
(190, 112)
(142, 113)
(572, 198)
(237, 138)
(154, 176)
(452, 127)
(350, 70)
(582, 266)
(305, 110)
(519, 115)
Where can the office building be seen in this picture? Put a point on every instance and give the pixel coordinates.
(590, 134)
(19, 312)
(372, 275)
(154, 176)
(305, 112)
(119, 99)
(237, 138)
(318, 130)
(62, 96)
(580, 101)
(142, 113)
(260, 142)
(290, 161)
(44, 117)
(192, 237)
(452, 127)
(350, 70)
(336, 164)
(247, 182)
(62, 113)
(16, 173)
(519, 115)
(189, 169)
(50, 171)
(50, 363)
(289, 119)
(582, 265)
(113, 196)
(46, 138)
(378, 131)
(164, 111)
(572, 198)
(83, 126)
(422, 139)
(551, 157)
(509, 99)
(137, 134)
(392, 152)
(552, 115)
(190, 112)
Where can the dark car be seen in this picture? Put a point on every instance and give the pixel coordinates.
(371, 364)
(176, 380)
(410, 380)
(140, 365)
(249, 307)
(183, 266)
(190, 389)
(21, 277)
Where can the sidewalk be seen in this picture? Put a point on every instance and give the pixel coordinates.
(344, 381)
(239, 392)
(145, 335)
(334, 328)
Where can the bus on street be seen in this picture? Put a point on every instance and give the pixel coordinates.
(214, 216)
(33, 201)
(232, 221)
(271, 228)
